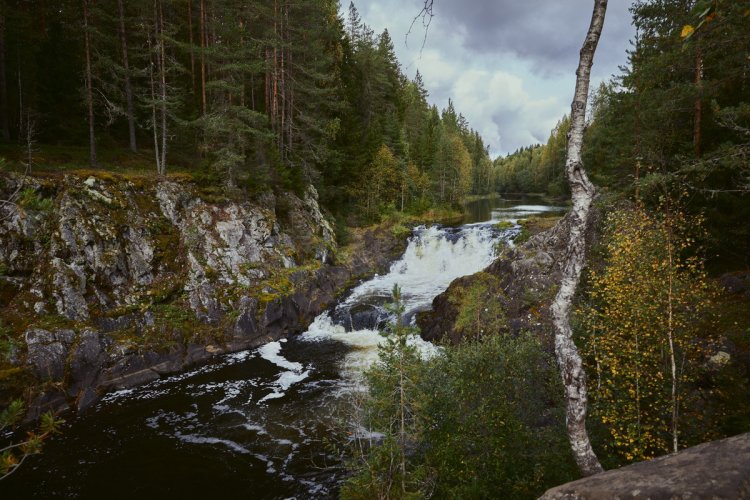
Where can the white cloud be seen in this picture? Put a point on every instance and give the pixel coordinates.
(515, 90)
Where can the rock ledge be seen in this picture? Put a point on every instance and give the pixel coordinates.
(718, 469)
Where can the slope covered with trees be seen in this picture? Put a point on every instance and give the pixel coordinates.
(673, 123)
(244, 94)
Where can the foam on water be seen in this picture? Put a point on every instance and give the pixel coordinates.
(434, 257)
(272, 352)
(294, 374)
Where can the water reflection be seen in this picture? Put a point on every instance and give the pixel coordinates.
(496, 208)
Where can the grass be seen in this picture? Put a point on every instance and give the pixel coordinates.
(533, 226)
(59, 158)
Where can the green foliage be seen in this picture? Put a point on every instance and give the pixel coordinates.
(248, 96)
(480, 420)
(536, 169)
(30, 199)
(493, 423)
(504, 224)
(342, 231)
(389, 469)
(674, 120)
(14, 453)
(400, 231)
(480, 311)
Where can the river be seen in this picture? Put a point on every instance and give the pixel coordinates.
(258, 423)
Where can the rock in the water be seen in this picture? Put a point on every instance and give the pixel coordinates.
(719, 469)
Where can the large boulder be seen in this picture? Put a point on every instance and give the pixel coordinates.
(719, 469)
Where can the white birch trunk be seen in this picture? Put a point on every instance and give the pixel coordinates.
(582, 194)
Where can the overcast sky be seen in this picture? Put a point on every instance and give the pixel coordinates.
(508, 65)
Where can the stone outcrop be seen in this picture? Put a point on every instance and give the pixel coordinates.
(525, 281)
(110, 282)
(719, 469)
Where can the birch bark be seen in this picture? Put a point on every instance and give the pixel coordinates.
(582, 194)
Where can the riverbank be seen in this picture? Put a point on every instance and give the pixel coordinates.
(109, 282)
(264, 419)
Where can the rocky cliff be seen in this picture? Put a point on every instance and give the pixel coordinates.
(107, 282)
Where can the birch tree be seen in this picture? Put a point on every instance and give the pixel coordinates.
(582, 194)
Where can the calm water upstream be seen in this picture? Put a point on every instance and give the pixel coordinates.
(256, 423)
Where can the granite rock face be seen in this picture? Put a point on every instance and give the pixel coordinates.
(110, 282)
(718, 469)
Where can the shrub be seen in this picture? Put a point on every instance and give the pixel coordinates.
(31, 200)
(647, 328)
(479, 420)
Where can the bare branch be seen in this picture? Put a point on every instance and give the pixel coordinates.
(425, 15)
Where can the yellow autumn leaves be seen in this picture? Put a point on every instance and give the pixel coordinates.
(687, 31)
(645, 309)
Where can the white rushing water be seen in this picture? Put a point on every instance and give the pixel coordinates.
(434, 257)
(261, 421)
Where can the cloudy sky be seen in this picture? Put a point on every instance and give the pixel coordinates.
(508, 65)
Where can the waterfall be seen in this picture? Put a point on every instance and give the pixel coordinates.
(262, 420)
(434, 257)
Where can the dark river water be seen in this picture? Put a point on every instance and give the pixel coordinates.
(260, 423)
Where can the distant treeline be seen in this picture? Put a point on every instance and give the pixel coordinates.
(674, 124)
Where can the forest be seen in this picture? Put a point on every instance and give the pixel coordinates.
(245, 95)
(673, 123)
(240, 99)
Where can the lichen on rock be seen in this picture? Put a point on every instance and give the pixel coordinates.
(118, 288)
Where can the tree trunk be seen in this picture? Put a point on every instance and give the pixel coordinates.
(152, 86)
(192, 46)
(282, 86)
(582, 194)
(89, 84)
(288, 82)
(670, 335)
(162, 90)
(203, 56)
(128, 87)
(20, 99)
(698, 105)
(4, 124)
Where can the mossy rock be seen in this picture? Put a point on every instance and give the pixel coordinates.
(504, 225)
(479, 301)
(533, 226)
